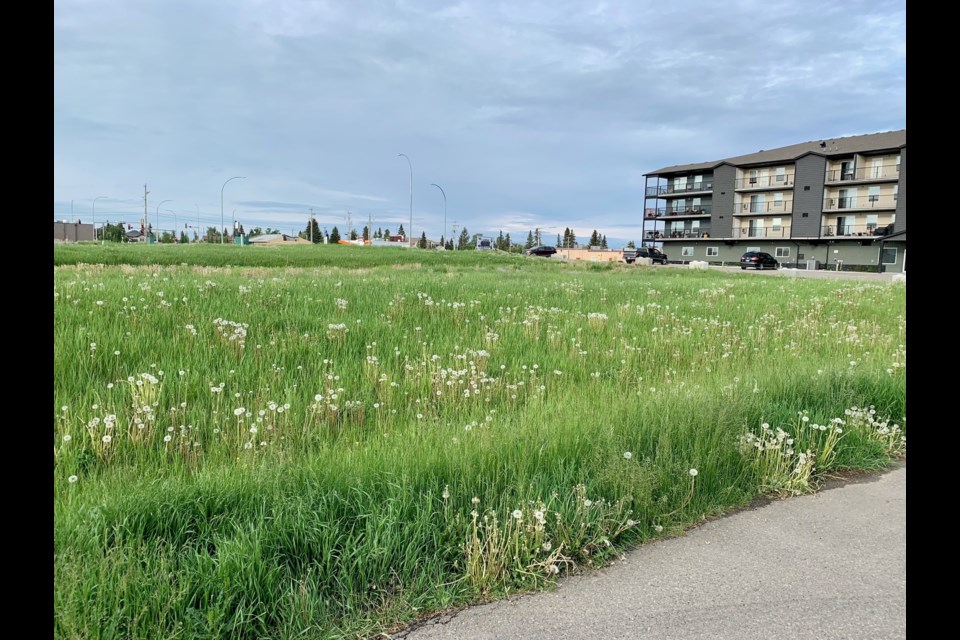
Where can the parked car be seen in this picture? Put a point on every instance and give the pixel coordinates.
(758, 260)
(544, 251)
(630, 255)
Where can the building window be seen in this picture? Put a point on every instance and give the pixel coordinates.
(777, 225)
(782, 252)
(778, 200)
(888, 255)
(872, 221)
(686, 252)
(873, 194)
(713, 252)
(781, 174)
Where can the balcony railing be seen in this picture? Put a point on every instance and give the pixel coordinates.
(680, 210)
(764, 182)
(883, 172)
(781, 206)
(761, 232)
(838, 230)
(684, 233)
(689, 187)
(860, 202)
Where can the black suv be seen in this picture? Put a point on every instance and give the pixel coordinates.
(541, 251)
(645, 252)
(758, 260)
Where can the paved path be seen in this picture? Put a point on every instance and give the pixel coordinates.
(824, 566)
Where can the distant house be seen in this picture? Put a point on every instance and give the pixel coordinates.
(272, 239)
(64, 231)
(135, 235)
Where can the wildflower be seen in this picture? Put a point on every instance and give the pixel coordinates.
(538, 515)
(106, 439)
(167, 438)
(627, 455)
(694, 472)
(446, 492)
(546, 546)
(475, 500)
(658, 528)
(587, 502)
(517, 514)
(248, 445)
(239, 411)
(72, 479)
(67, 437)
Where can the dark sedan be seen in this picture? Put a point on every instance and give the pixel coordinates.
(544, 251)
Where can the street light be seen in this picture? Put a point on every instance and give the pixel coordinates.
(444, 211)
(410, 230)
(93, 215)
(221, 204)
(158, 218)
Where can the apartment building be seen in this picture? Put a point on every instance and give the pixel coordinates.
(830, 204)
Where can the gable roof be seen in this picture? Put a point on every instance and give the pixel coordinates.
(828, 147)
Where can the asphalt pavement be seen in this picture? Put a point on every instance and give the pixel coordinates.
(831, 565)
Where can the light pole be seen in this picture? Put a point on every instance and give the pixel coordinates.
(221, 204)
(158, 218)
(93, 215)
(444, 211)
(410, 230)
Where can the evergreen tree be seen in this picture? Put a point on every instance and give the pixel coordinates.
(183, 238)
(366, 234)
(464, 239)
(631, 245)
(572, 242)
(335, 236)
(594, 239)
(559, 244)
(313, 227)
(450, 244)
(566, 238)
(529, 242)
(386, 233)
(401, 232)
(353, 234)
(256, 231)
(603, 242)
(507, 244)
(423, 240)
(241, 229)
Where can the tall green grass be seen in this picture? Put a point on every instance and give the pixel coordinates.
(433, 431)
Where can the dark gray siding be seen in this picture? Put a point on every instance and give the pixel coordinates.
(901, 222)
(810, 172)
(721, 222)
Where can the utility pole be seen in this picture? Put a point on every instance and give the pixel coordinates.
(456, 240)
(349, 223)
(146, 214)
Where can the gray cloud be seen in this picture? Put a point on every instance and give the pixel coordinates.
(553, 109)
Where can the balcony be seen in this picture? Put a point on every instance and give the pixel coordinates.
(699, 210)
(784, 181)
(760, 232)
(841, 230)
(680, 234)
(885, 172)
(678, 189)
(860, 203)
(775, 207)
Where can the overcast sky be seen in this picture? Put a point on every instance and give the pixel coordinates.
(527, 113)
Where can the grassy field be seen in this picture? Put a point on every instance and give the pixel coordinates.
(331, 441)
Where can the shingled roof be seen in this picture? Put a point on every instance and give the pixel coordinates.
(827, 147)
